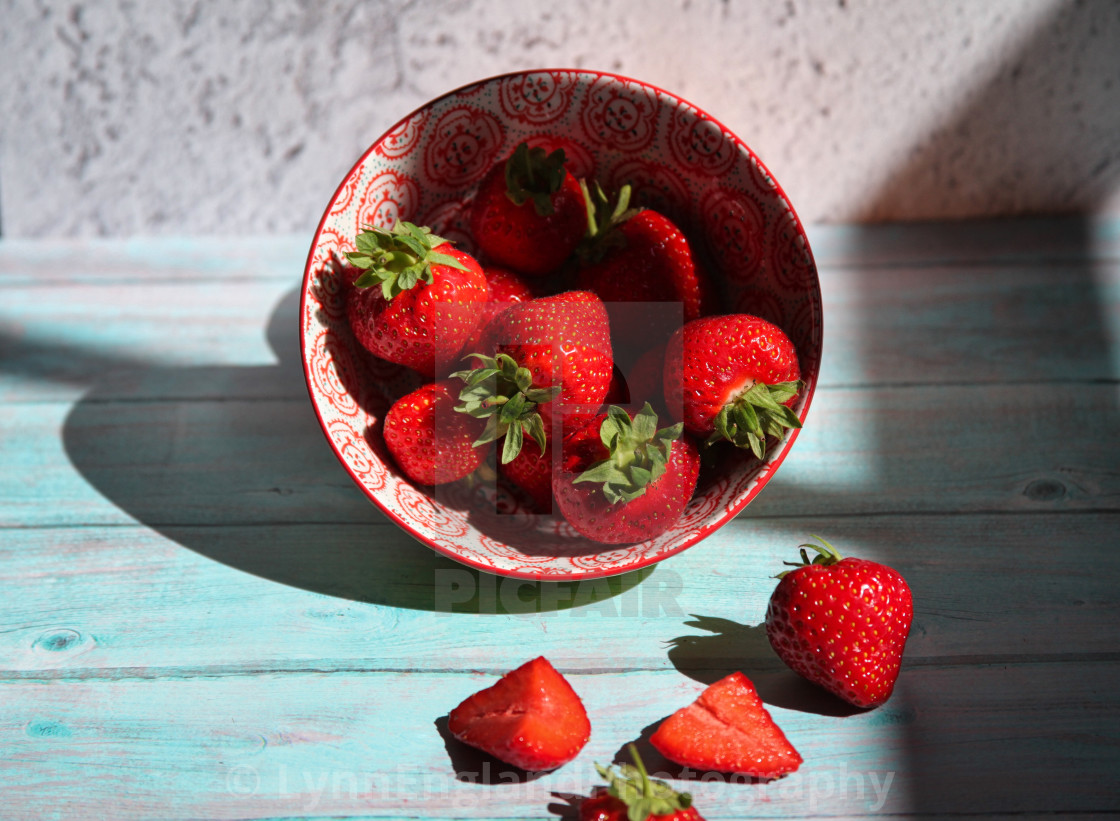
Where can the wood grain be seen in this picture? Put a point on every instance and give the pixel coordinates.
(339, 744)
(201, 617)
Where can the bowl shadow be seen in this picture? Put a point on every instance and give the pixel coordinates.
(231, 463)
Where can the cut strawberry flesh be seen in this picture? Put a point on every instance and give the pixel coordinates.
(727, 729)
(531, 718)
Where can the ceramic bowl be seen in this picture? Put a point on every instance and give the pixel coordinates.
(678, 159)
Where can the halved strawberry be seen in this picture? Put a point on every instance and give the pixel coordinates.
(529, 212)
(621, 480)
(531, 718)
(727, 729)
(429, 441)
(737, 375)
(417, 300)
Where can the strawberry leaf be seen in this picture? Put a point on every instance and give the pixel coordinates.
(604, 216)
(501, 392)
(512, 446)
(643, 796)
(534, 426)
(399, 259)
(534, 175)
(757, 414)
(826, 555)
(637, 453)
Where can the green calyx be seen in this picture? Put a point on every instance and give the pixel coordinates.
(604, 216)
(643, 796)
(639, 453)
(502, 393)
(398, 259)
(534, 175)
(827, 555)
(755, 414)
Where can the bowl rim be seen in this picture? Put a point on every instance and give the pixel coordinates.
(590, 573)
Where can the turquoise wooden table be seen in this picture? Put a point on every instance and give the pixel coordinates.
(201, 617)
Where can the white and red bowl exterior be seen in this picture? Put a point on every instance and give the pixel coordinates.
(618, 130)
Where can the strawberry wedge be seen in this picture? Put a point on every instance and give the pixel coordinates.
(727, 729)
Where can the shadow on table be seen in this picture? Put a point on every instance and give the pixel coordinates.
(731, 647)
(1019, 123)
(230, 462)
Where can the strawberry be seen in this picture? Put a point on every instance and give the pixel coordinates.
(529, 212)
(531, 718)
(645, 378)
(429, 441)
(842, 623)
(618, 392)
(428, 302)
(638, 255)
(622, 480)
(553, 364)
(506, 288)
(736, 375)
(727, 729)
(531, 471)
(633, 796)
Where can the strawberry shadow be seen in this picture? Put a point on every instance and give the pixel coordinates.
(733, 647)
(473, 766)
(566, 806)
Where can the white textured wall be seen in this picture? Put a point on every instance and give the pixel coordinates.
(204, 117)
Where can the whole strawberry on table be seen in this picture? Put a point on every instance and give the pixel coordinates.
(842, 623)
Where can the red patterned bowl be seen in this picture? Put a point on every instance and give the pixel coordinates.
(677, 159)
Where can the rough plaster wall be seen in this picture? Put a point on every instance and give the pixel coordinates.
(208, 117)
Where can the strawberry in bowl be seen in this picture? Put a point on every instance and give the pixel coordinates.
(737, 247)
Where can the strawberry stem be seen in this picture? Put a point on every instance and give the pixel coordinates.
(502, 393)
(534, 174)
(755, 414)
(398, 259)
(638, 453)
(643, 796)
(827, 555)
(647, 787)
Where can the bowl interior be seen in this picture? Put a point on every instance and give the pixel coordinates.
(678, 160)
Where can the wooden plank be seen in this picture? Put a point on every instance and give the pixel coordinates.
(128, 263)
(907, 325)
(347, 744)
(229, 600)
(921, 449)
(896, 324)
(1012, 241)
(173, 339)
